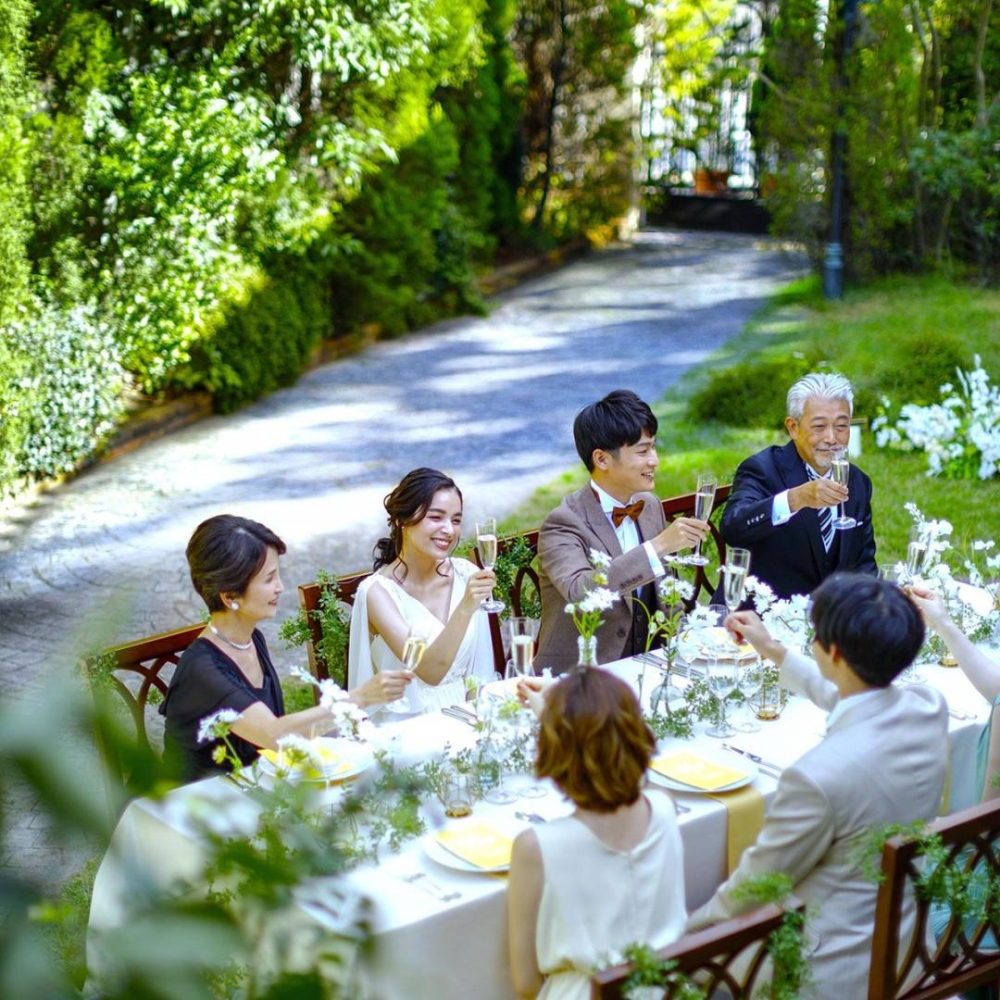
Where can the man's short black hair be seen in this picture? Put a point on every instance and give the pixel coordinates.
(876, 627)
(616, 421)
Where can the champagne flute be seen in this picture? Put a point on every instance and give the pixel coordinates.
(486, 546)
(704, 498)
(749, 680)
(522, 647)
(736, 569)
(916, 552)
(522, 652)
(840, 469)
(414, 647)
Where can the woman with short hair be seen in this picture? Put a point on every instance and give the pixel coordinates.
(612, 873)
(234, 568)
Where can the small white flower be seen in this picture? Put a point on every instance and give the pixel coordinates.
(217, 725)
(598, 599)
(599, 560)
(673, 590)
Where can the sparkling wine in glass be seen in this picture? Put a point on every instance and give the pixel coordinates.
(486, 546)
(840, 470)
(735, 576)
(916, 552)
(414, 647)
(704, 499)
(522, 652)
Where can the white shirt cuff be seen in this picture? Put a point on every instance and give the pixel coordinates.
(654, 560)
(780, 511)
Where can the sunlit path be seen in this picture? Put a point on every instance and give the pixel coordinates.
(490, 400)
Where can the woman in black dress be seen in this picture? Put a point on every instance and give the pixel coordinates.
(234, 568)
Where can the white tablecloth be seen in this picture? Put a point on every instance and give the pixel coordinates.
(439, 950)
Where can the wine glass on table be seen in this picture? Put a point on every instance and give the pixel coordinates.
(522, 655)
(704, 500)
(840, 471)
(414, 647)
(522, 647)
(486, 546)
(720, 675)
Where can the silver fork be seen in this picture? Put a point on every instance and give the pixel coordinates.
(423, 881)
(764, 765)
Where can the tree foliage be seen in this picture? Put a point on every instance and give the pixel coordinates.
(207, 188)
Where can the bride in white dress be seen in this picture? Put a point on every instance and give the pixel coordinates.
(417, 586)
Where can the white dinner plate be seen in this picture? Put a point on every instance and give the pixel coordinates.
(358, 757)
(678, 786)
(501, 689)
(442, 856)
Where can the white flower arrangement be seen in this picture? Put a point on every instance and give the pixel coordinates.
(348, 719)
(587, 611)
(960, 435)
(788, 621)
(217, 726)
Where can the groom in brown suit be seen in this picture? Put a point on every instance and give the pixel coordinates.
(616, 513)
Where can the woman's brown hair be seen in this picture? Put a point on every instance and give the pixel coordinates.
(593, 742)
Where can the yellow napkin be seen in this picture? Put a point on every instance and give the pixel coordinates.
(745, 818)
(690, 769)
(477, 843)
(333, 764)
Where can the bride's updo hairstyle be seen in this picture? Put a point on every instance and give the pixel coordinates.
(593, 741)
(407, 504)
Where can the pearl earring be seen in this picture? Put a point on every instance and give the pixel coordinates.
(235, 606)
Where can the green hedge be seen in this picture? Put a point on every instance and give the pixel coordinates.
(265, 340)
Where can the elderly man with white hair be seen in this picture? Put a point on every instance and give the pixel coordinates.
(784, 499)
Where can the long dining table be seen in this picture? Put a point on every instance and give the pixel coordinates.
(440, 932)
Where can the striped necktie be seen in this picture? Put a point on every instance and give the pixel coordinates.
(824, 514)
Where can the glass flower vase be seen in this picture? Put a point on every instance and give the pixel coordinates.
(586, 651)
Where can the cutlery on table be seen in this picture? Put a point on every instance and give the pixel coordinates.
(453, 713)
(961, 716)
(423, 881)
(530, 817)
(765, 765)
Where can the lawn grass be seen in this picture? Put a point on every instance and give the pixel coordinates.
(899, 338)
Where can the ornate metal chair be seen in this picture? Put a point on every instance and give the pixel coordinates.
(731, 955)
(967, 956)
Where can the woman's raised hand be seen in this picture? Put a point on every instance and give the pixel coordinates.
(385, 686)
(479, 586)
(931, 606)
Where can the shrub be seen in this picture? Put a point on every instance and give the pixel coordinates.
(264, 339)
(751, 393)
(408, 257)
(67, 395)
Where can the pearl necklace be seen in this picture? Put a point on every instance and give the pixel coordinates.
(241, 646)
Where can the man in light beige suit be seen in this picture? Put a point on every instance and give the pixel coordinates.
(882, 761)
(618, 514)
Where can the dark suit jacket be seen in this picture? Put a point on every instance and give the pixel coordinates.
(575, 527)
(790, 557)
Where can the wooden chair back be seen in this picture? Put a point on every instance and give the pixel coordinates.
(310, 599)
(731, 955)
(967, 956)
(149, 659)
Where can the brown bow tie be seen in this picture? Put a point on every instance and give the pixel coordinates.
(633, 510)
